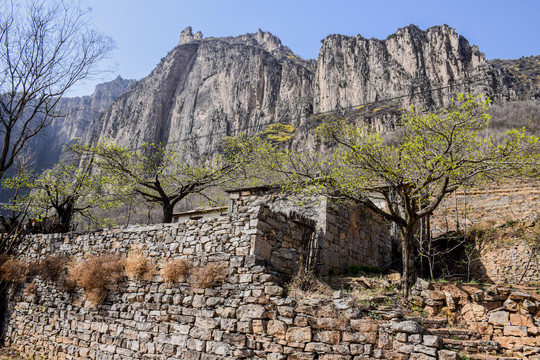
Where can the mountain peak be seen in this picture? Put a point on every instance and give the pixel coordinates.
(186, 36)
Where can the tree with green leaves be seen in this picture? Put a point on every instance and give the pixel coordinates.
(159, 174)
(60, 193)
(405, 180)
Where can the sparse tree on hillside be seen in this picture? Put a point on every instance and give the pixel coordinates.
(60, 193)
(432, 155)
(67, 190)
(158, 173)
(14, 226)
(46, 47)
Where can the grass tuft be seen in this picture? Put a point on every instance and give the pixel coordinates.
(305, 284)
(53, 267)
(208, 276)
(14, 270)
(175, 270)
(139, 266)
(97, 276)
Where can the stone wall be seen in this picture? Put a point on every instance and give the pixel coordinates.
(478, 319)
(354, 236)
(248, 315)
(283, 241)
(345, 235)
(510, 262)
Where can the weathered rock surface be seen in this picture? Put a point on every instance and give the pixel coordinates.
(205, 89)
(352, 71)
(76, 117)
(209, 88)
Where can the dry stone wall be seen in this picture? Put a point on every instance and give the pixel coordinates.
(248, 315)
(511, 262)
(354, 236)
(480, 319)
(344, 235)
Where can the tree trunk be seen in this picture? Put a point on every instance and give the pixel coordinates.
(65, 217)
(408, 253)
(167, 213)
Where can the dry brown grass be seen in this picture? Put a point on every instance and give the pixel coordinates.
(14, 270)
(30, 289)
(209, 275)
(175, 270)
(305, 284)
(97, 276)
(68, 284)
(53, 267)
(139, 266)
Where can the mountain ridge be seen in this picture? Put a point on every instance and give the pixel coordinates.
(207, 88)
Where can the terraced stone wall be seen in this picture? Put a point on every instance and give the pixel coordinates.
(248, 315)
(512, 262)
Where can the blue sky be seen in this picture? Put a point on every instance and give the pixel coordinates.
(146, 30)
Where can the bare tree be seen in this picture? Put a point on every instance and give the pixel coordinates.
(46, 47)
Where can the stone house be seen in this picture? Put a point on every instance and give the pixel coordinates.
(330, 237)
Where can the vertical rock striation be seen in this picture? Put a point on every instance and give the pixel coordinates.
(424, 67)
(209, 88)
(205, 89)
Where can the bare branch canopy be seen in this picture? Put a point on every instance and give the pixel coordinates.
(46, 47)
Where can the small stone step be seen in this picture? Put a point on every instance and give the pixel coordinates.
(435, 323)
(472, 346)
(457, 334)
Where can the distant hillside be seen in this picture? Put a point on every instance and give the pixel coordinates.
(76, 116)
(527, 69)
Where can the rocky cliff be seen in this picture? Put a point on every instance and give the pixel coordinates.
(205, 89)
(76, 115)
(208, 88)
(425, 65)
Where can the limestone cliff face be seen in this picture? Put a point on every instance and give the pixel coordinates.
(209, 88)
(352, 71)
(77, 116)
(205, 89)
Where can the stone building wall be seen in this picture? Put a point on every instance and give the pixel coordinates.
(345, 235)
(283, 240)
(355, 236)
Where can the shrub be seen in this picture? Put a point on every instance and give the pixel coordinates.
(14, 270)
(175, 270)
(97, 276)
(139, 266)
(208, 276)
(305, 284)
(68, 284)
(53, 267)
